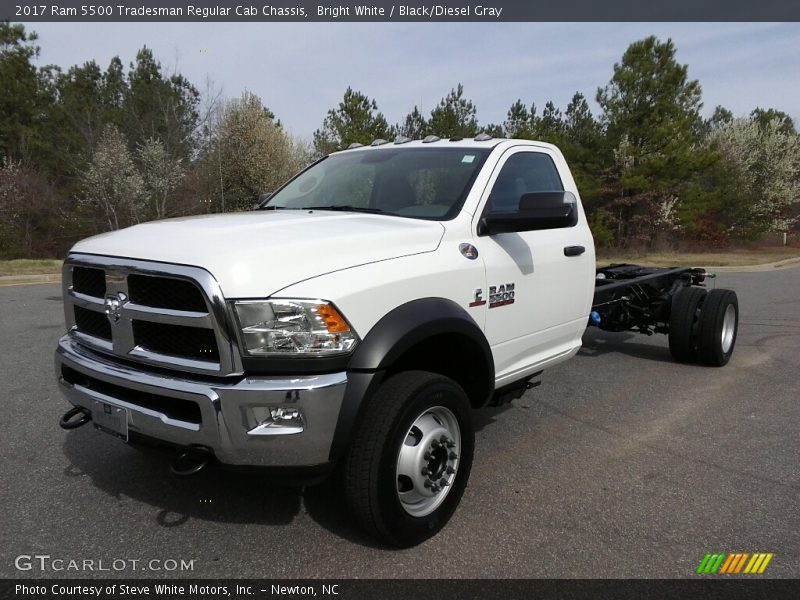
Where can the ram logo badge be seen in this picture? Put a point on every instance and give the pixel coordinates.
(113, 305)
(501, 295)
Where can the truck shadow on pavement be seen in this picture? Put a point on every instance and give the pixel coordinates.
(597, 343)
(215, 494)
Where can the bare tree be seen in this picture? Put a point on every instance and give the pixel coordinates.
(29, 217)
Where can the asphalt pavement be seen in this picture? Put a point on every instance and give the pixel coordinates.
(622, 463)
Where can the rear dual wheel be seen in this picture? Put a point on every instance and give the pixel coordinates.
(718, 327)
(683, 318)
(703, 325)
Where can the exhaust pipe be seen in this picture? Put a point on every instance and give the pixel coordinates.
(67, 421)
(192, 461)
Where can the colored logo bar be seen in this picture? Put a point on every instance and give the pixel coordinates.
(734, 563)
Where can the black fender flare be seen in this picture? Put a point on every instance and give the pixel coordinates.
(394, 334)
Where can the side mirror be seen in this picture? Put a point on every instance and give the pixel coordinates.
(262, 200)
(537, 210)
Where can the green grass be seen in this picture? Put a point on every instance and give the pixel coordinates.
(26, 266)
(729, 258)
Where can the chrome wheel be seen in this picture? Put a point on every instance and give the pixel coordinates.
(409, 462)
(427, 463)
(728, 328)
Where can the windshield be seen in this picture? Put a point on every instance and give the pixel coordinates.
(423, 183)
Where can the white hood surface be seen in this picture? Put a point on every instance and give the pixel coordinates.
(255, 254)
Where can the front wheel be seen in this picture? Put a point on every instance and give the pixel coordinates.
(410, 460)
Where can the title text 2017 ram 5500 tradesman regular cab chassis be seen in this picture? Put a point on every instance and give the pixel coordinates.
(358, 317)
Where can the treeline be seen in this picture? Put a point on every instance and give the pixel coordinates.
(651, 170)
(91, 149)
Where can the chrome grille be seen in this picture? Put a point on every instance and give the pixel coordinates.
(176, 340)
(164, 315)
(92, 323)
(165, 292)
(91, 282)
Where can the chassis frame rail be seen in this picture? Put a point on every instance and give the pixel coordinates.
(632, 297)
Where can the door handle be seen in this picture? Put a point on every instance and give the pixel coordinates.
(574, 250)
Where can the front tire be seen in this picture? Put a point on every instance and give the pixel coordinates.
(410, 459)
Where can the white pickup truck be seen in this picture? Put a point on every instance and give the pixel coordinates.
(357, 317)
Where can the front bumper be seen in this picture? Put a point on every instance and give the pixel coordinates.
(226, 416)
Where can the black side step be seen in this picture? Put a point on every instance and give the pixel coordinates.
(515, 390)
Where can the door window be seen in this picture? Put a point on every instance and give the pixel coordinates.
(523, 173)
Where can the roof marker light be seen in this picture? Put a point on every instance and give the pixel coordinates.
(379, 142)
(430, 139)
(483, 137)
(401, 139)
(354, 145)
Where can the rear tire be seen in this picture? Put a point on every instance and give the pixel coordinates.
(717, 327)
(414, 413)
(683, 323)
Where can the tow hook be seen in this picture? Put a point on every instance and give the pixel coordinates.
(67, 421)
(192, 461)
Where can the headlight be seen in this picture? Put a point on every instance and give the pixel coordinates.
(292, 327)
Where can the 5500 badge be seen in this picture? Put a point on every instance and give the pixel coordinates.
(502, 295)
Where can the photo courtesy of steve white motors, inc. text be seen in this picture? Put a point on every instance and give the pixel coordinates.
(319, 11)
(171, 589)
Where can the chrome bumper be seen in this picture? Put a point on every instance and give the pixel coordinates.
(234, 415)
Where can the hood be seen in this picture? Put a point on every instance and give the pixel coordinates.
(256, 254)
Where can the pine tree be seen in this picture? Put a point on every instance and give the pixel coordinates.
(21, 98)
(651, 111)
(414, 126)
(454, 116)
(518, 121)
(355, 120)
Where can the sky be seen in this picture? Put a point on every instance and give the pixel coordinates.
(300, 70)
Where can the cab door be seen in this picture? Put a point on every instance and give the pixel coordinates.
(539, 283)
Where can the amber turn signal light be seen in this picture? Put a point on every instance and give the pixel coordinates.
(334, 322)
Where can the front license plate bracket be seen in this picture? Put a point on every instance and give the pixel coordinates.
(110, 419)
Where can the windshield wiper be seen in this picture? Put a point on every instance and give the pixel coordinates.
(344, 208)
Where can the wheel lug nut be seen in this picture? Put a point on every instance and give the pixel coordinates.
(427, 456)
(451, 444)
(443, 482)
(428, 483)
(453, 455)
(435, 444)
(444, 439)
(426, 471)
(450, 470)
